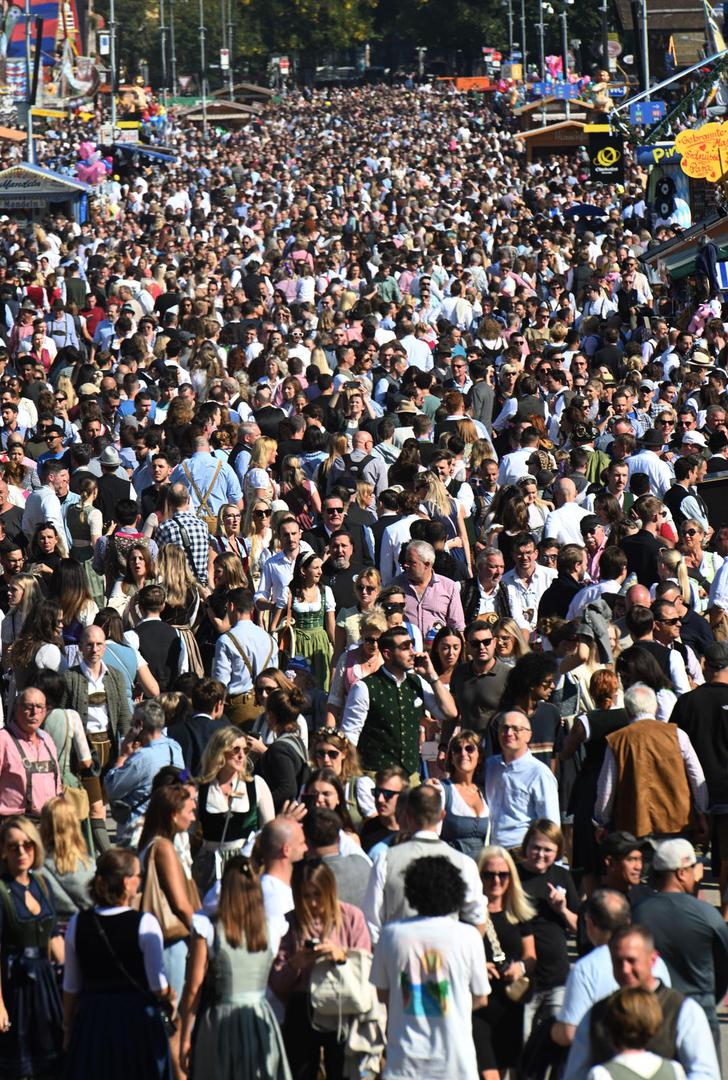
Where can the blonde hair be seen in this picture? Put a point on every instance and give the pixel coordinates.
(364, 492)
(437, 495)
(675, 564)
(262, 452)
(516, 905)
(373, 620)
(213, 758)
(61, 834)
(26, 826)
(175, 575)
(31, 594)
(520, 647)
(292, 474)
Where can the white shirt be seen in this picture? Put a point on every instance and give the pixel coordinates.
(392, 539)
(660, 474)
(97, 719)
(525, 596)
(44, 505)
(514, 465)
(431, 967)
(275, 578)
(418, 352)
(356, 707)
(563, 524)
(589, 595)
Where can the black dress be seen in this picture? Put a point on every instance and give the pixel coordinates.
(33, 1045)
(498, 1027)
(117, 1031)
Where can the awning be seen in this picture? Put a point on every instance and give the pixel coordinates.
(676, 257)
(159, 153)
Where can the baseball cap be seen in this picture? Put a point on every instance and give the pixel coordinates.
(693, 438)
(590, 521)
(620, 843)
(674, 855)
(647, 384)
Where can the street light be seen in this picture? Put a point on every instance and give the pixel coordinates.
(203, 67)
(509, 5)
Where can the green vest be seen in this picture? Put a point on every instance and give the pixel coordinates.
(391, 732)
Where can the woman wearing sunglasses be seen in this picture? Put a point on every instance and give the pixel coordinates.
(257, 536)
(367, 587)
(466, 822)
(357, 662)
(510, 952)
(331, 749)
(702, 566)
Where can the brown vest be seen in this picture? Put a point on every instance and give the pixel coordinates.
(664, 1041)
(652, 791)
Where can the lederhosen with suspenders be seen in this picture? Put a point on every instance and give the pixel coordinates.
(242, 709)
(202, 510)
(34, 768)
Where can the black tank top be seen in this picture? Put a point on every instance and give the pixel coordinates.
(99, 954)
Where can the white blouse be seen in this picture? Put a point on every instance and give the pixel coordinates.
(150, 941)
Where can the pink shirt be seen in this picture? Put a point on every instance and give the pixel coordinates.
(14, 775)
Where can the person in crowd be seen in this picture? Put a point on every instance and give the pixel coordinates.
(321, 927)
(67, 868)
(31, 1015)
(128, 783)
(356, 662)
(434, 955)
(684, 1035)
(30, 774)
(324, 789)
(284, 766)
(466, 823)
(224, 1003)
(690, 935)
(510, 952)
(114, 976)
(322, 828)
(519, 788)
(232, 804)
(553, 893)
(633, 1018)
(421, 817)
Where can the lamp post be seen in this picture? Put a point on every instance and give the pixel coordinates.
(203, 67)
(541, 46)
(231, 41)
(172, 49)
(29, 80)
(645, 49)
(565, 58)
(163, 45)
(112, 63)
(523, 39)
(508, 4)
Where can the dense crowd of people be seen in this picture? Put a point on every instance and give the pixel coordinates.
(364, 627)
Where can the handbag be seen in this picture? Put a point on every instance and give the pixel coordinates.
(340, 990)
(154, 899)
(515, 991)
(287, 634)
(76, 796)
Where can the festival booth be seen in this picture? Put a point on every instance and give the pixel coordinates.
(676, 257)
(550, 110)
(564, 138)
(227, 114)
(33, 192)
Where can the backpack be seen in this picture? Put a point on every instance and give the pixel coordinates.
(353, 472)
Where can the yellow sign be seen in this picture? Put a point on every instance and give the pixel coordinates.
(704, 152)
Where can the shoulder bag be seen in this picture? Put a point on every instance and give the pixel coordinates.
(515, 991)
(287, 634)
(154, 899)
(75, 794)
(243, 708)
(340, 991)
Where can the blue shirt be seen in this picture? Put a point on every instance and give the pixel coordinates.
(517, 794)
(131, 782)
(592, 979)
(695, 1046)
(201, 467)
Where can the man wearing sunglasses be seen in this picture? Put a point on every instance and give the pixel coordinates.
(476, 685)
(383, 712)
(685, 670)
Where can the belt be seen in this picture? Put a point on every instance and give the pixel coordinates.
(97, 699)
(98, 737)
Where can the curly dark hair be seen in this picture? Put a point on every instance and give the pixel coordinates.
(434, 886)
(528, 672)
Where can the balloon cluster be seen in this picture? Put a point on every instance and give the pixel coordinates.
(155, 116)
(92, 168)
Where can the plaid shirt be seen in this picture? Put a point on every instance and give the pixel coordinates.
(199, 540)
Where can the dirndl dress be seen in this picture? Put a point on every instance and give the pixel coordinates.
(312, 641)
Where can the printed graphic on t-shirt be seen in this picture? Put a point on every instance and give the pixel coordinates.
(425, 987)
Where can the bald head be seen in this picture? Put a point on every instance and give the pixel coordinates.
(282, 839)
(637, 596)
(564, 491)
